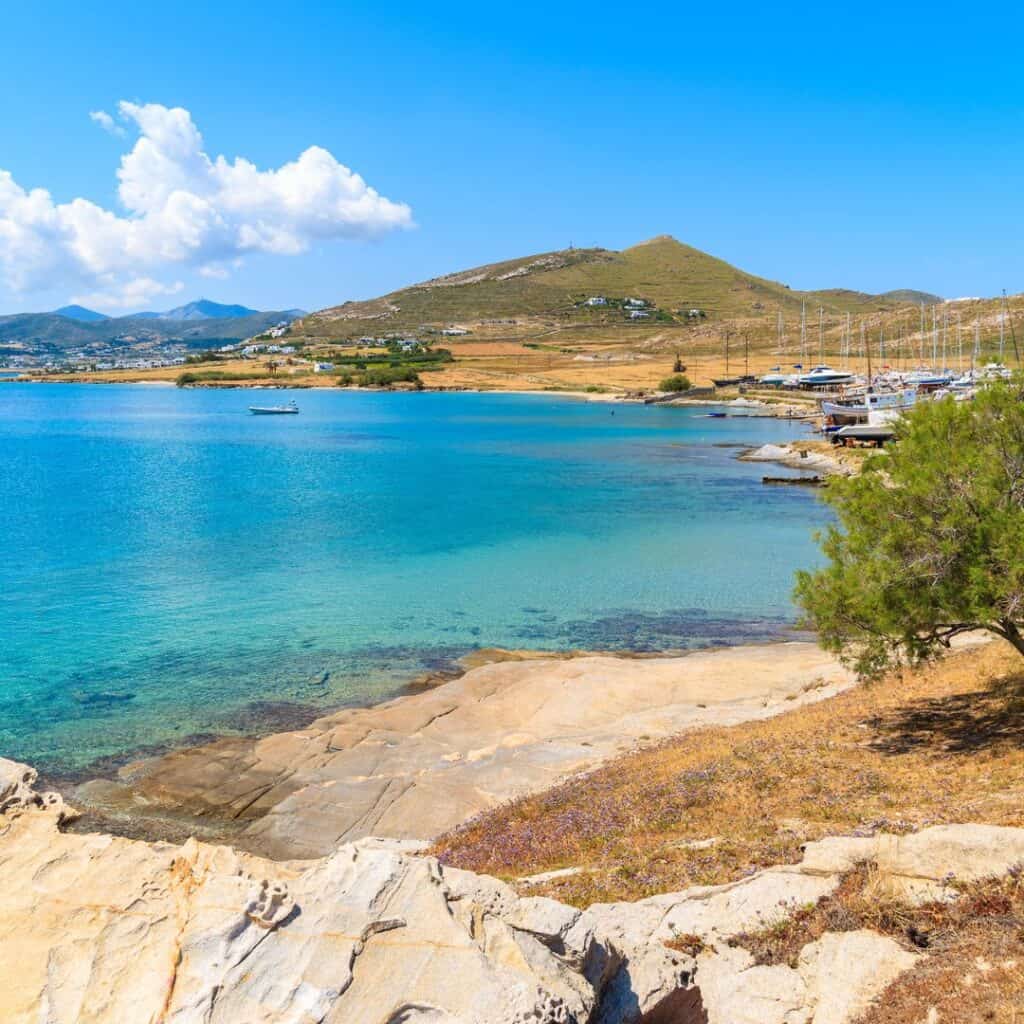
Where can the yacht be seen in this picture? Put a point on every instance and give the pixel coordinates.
(928, 378)
(822, 376)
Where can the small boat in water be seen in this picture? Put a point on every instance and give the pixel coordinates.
(291, 409)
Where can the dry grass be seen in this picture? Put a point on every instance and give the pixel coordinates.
(973, 968)
(861, 901)
(976, 977)
(945, 744)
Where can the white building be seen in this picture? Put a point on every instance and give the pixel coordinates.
(323, 367)
(596, 300)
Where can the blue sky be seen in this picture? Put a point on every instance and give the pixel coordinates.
(872, 148)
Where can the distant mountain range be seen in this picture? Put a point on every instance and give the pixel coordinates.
(198, 324)
(549, 290)
(80, 313)
(204, 309)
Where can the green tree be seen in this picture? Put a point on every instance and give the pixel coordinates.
(929, 539)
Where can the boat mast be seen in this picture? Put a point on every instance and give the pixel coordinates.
(803, 332)
(821, 335)
(945, 336)
(868, 347)
(1002, 325)
(1013, 333)
(920, 346)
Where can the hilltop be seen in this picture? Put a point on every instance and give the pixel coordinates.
(671, 277)
(526, 325)
(75, 312)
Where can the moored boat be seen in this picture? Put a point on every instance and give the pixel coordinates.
(290, 409)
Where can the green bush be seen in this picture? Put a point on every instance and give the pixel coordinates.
(202, 357)
(204, 376)
(677, 382)
(384, 376)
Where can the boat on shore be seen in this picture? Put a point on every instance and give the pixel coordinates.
(291, 409)
(824, 376)
(859, 410)
(926, 378)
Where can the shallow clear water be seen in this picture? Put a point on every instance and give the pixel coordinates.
(173, 566)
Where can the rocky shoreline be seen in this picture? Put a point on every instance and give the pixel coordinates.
(102, 929)
(420, 764)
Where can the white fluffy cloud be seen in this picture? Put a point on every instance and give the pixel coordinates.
(107, 123)
(181, 209)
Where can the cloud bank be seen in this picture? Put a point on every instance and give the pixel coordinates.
(181, 209)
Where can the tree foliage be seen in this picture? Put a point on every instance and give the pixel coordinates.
(929, 541)
(677, 382)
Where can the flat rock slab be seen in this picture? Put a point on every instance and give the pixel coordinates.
(421, 764)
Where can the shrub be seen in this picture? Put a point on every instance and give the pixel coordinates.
(384, 376)
(677, 382)
(205, 376)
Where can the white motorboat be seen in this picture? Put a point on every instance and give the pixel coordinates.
(928, 378)
(774, 378)
(823, 376)
(291, 409)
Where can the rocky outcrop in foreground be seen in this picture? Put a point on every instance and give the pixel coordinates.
(419, 765)
(100, 929)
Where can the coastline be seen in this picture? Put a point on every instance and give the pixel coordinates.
(754, 408)
(424, 762)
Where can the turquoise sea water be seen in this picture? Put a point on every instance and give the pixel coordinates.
(172, 566)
